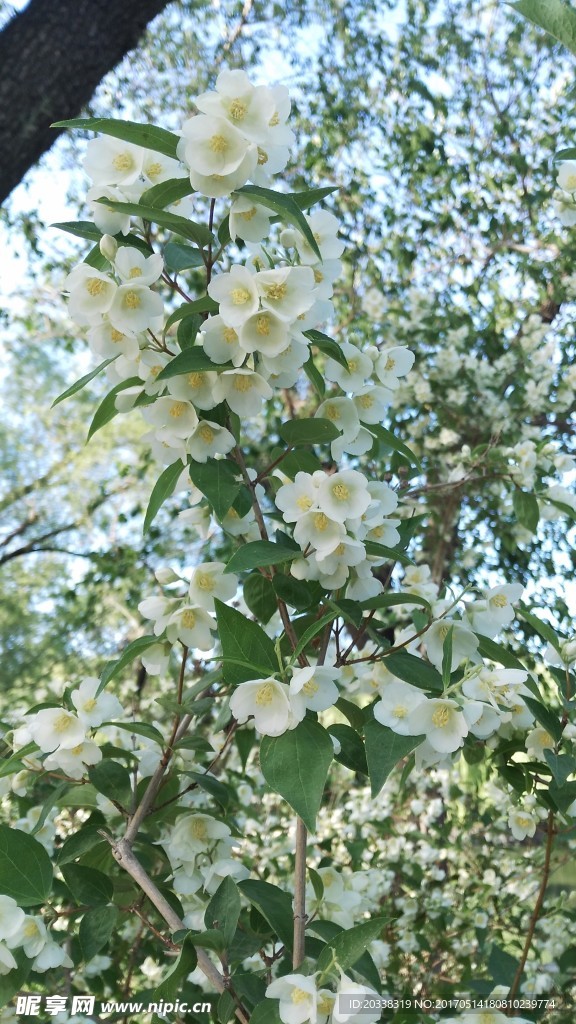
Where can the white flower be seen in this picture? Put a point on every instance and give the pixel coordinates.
(359, 369)
(393, 363)
(244, 391)
(51, 955)
(344, 495)
(106, 341)
(297, 995)
(316, 686)
(158, 168)
(73, 761)
(11, 918)
(56, 727)
(522, 823)
(94, 708)
(464, 643)
(91, 294)
(196, 387)
(132, 265)
(191, 625)
(248, 220)
(209, 439)
(216, 185)
(208, 581)
(537, 741)
(342, 413)
(373, 304)
(134, 308)
(237, 295)
(249, 108)
(349, 1005)
(270, 703)
(288, 291)
(372, 402)
(155, 659)
(31, 935)
(265, 333)
(315, 528)
(7, 961)
(220, 342)
(398, 700)
(567, 175)
(172, 415)
(211, 145)
(192, 834)
(296, 498)
(442, 723)
(324, 227)
(106, 219)
(111, 161)
(496, 610)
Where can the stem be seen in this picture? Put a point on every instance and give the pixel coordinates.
(536, 912)
(299, 894)
(123, 854)
(155, 782)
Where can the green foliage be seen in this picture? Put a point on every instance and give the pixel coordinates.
(295, 765)
(25, 868)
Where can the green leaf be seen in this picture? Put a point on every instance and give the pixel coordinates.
(389, 440)
(561, 765)
(218, 479)
(554, 16)
(260, 597)
(25, 868)
(286, 207)
(11, 984)
(80, 228)
(96, 928)
(315, 377)
(129, 654)
(107, 410)
(211, 785)
(191, 360)
(382, 551)
(299, 594)
(171, 985)
(203, 305)
(274, 904)
(543, 629)
(389, 600)
(161, 491)
(295, 765)
(87, 885)
(502, 966)
(447, 656)
(548, 720)
(309, 431)
(414, 670)
(112, 780)
(150, 136)
(526, 509)
(78, 843)
(181, 257)
(223, 910)
(150, 732)
(328, 346)
(495, 652)
(266, 1012)
(179, 225)
(244, 641)
(348, 946)
(384, 749)
(188, 331)
(312, 196)
(257, 554)
(313, 631)
(80, 383)
(352, 754)
(566, 154)
(166, 193)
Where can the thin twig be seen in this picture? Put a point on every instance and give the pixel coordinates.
(299, 894)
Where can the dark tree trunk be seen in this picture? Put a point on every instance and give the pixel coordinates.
(52, 57)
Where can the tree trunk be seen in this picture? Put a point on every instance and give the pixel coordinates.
(52, 57)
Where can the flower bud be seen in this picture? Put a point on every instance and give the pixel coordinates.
(108, 247)
(165, 576)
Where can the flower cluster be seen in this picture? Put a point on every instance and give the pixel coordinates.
(334, 516)
(64, 736)
(188, 618)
